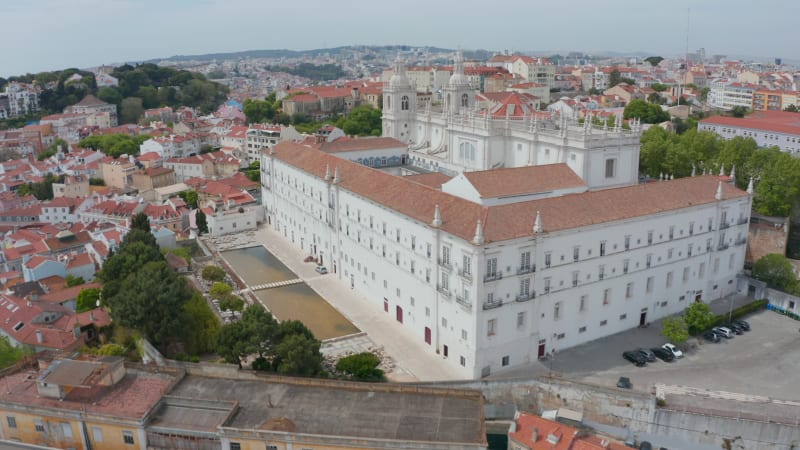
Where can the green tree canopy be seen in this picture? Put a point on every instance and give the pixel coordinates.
(190, 197)
(258, 111)
(87, 299)
(201, 222)
(363, 120)
(675, 329)
(647, 112)
(141, 222)
(298, 355)
(213, 273)
(698, 317)
(361, 367)
(115, 144)
(219, 290)
(201, 327)
(8, 353)
(776, 270)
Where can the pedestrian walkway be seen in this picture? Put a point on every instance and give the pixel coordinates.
(275, 284)
(412, 356)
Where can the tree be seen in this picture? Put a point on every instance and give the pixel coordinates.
(219, 290)
(8, 353)
(675, 329)
(213, 273)
(791, 108)
(654, 60)
(233, 343)
(363, 120)
(231, 302)
(698, 317)
(776, 270)
(72, 280)
(201, 222)
(87, 299)
(778, 187)
(140, 222)
(190, 197)
(263, 330)
(201, 326)
(132, 255)
(151, 300)
(361, 367)
(299, 356)
(258, 111)
(131, 109)
(647, 112)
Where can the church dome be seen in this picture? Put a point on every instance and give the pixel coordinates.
(458, 79)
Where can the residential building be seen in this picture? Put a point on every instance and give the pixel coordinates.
(767, 128)
(155, 177)
(117, 172)
(18, 99)
(531, 432)
(93, 106)
(173, 146)
(773, 100)
(74, 186)
(726, 94)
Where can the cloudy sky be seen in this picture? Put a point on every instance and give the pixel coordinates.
(41, 35)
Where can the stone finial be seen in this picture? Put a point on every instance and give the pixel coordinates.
(478, 239)
(750, 188)
(671, 176)
(722, 170)
(694, 169)
(718, 195)
(537, 224)
(733, 173)
(336, 175)
(327, 172)
(437, 217)
(661, 176)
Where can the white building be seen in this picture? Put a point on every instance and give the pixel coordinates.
(767, 128)
(172, 146)
(725, 94)
(463, 137)
(20, 99)
(259, 137)
(496, 283)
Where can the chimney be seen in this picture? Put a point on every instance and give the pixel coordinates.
(76, 331)
(534, 435)
(91, 316)
(39, 337)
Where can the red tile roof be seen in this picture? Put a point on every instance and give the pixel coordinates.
(776, 121)
(433, 179)
(524, 180)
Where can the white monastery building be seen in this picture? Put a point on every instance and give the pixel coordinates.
(533, 234)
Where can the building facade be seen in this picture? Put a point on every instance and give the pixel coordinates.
(767, 128)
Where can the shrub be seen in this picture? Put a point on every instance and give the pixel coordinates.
(361, 366)
(213, 273)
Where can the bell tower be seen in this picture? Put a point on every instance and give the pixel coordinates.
(399, 104)
(458, 94)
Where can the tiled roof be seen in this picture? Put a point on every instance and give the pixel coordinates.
(433, 179)
(345, 144)
(777, 121)
(515, 220)
(523, 180)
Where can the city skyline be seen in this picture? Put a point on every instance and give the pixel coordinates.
(145, 29)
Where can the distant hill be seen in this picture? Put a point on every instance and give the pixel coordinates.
(285, 53)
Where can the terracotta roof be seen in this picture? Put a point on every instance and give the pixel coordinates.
(67, 294)
(345, 144)
(515, 220)
(523, 180)
(433, 179)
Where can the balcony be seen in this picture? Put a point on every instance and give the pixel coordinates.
(445, 264)
(492, 305)
(467, 275)
(722, 246)
(492, 277)
(525, 296)
(526, 269)
(463, 301)
(444, 291)
(724, 225)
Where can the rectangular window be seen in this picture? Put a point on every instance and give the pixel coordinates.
(649, 284)
(603, 323)
(506, 360)
(547, 285)
(716, 265)
(429, 250)
(427, 312)
(97, 434)
(467, 265)
(520, 320)
(627, 242)
(691, 228)
(649, 237)
(669, 253)
(689, 250)
(491, 327)
(671, 232)
(557, 311)
(463, 361)
(412, 267)
(625, 266)
(445, 281)
(464, 334)
(525, 286)
(445, 255)
(413, 243)
(12, 421)
(427, 275)
(606, 296)
(702, 271)
(491, 267)
(731, 260)
(603, 248)
(601, 272)
(575, 276)
(610, 168)
(547, 259)
(623, 316)
(127, 437)
(629, 290)
(576, 253)
(581, 329)
(669, 279)
(397, 236)
(685, 274)
(525, 261)
(39, 426)
(582, 306)
(66, 429)
(444, 322)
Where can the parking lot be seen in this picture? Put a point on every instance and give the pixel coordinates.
(764, 361)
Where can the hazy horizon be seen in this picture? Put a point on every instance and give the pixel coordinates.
(88, 33)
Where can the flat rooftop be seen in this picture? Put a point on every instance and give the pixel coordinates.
(377, 411)
(132, 397)
(191, 414)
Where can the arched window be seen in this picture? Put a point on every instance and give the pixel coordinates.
(465, 100)
(404, 103)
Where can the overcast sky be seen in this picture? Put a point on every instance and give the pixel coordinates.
(38, 35)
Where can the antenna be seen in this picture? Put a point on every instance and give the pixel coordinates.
(686, 54)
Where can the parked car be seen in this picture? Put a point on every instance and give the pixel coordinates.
(711, 336)
(724, 332)
(321, 270)
(624, 383)
(651, 357)
(635, 357)
(737, 329)
(676, 352)
(663, 354)
(743, 324)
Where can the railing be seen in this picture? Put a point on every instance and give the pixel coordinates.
(464, 274)
(742, 221)
(722, 247)
(463, 301)
(444, 291)
(526, 269)
(724, 225)
(492, 277)
(525, 297)
(445, 264)
(492, 305)
(739, 242)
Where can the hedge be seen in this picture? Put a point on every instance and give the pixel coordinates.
(741, 311)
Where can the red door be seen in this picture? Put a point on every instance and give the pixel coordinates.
(399, 312)
(541, 351)
(427, 335)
